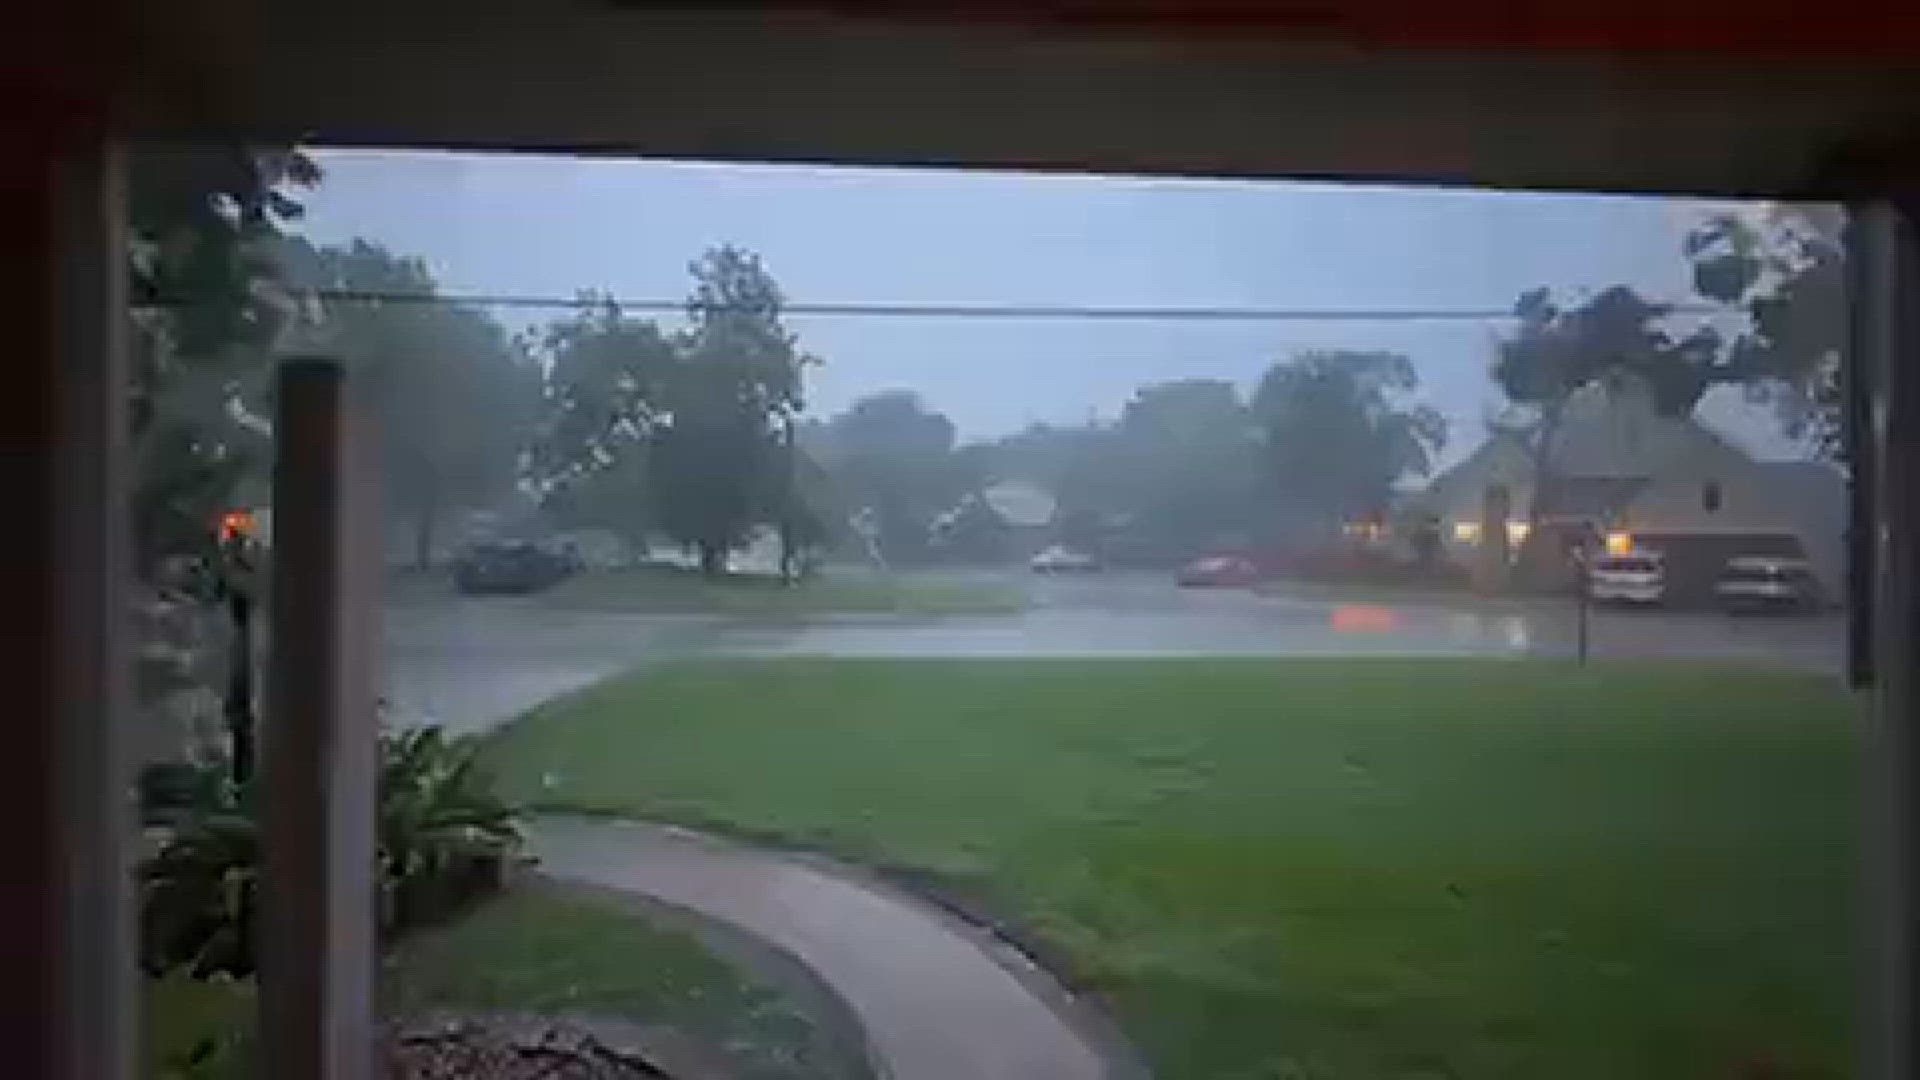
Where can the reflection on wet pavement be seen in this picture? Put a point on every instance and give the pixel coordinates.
(474, 662)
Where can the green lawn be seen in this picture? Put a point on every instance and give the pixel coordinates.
(675, 589)
(1370, 868)
(545, 948)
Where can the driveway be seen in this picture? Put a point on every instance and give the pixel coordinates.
(473, 662)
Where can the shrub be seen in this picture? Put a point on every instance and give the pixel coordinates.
(443, 837)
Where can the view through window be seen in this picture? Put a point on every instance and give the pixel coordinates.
(848, 622)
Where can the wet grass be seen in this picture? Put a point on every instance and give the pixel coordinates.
(669, 588)
(546, 948)
(1369, 868)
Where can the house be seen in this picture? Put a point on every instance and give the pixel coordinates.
(1003, 520)
(1621, 471)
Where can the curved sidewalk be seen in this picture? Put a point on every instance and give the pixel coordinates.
(940, 1000)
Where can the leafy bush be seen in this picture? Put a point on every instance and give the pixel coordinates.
(443, 838)
(198, 891)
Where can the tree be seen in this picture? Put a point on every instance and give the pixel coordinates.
(1786, 273)
(604, 376)
(456, 395)
(1555, 351)
(891, 453)
(1337, 437)
(717, 462)
(1187, 454)
(205, 314)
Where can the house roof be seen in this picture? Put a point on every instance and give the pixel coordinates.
(1019, 502)
(1610, 443)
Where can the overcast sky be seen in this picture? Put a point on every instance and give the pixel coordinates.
(555, 225)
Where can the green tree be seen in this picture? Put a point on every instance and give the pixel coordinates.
(1787, 275)
(718, 463)
(1187, 455)
(1555, 351)
(456, 394)
(201, 224)
(892, 454)
(1336, 432)
(605, 371)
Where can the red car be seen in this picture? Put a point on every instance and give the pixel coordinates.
(1220, 571)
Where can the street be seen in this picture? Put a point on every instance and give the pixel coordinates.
(473, 662)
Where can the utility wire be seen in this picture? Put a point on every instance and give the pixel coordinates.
(961, 311)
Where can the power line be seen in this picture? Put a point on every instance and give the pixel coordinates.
(959, 311)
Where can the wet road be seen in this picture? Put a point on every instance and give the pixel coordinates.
(470, 663)
(473, 662)
(1146, 615)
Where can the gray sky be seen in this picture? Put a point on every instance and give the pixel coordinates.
(556, 225)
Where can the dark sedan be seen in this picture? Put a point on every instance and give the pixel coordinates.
(1220, 571)
(509, 568)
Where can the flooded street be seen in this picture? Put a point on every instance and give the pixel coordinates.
(474, 662)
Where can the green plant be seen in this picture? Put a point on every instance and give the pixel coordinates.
(172, 792)
(444, 835)
(198, 892)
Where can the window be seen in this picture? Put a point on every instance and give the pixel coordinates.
(1710, 496)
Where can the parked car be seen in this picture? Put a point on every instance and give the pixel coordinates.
(1059, 559)
(1767, 581)
(515, 567)
(1633, 577)
(1219, 571)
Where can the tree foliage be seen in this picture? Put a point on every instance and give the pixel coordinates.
(1787, 275)
(605, 370)
(892, 455)
(1187, 455)
(1554, 351)
(455, 393)
(684, 432)
(201, 221)
(716, 458)
(1337, 435)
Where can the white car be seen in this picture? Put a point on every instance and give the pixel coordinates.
(1635, 577)
(1059, 559)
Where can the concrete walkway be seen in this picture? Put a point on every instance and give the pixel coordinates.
(940, 999)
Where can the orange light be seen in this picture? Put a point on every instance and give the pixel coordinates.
(1365, 619)
(236, 524)
(1619, 543)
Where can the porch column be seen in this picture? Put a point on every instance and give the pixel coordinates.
(71, 943)
(318, 767)
(1886, 301)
